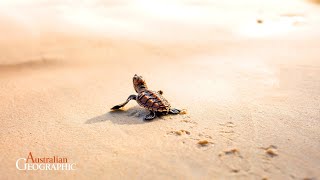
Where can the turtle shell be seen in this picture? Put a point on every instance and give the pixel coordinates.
(153, 101)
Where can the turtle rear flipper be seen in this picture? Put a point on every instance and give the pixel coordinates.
(174, 111)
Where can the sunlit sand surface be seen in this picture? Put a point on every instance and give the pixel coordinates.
(247, 73)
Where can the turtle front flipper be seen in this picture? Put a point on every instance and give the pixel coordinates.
(134, 97)
(174, 111)
(150, 116)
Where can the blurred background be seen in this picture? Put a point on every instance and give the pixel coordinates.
(43, 29)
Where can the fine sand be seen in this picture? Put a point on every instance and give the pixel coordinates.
(248, 74)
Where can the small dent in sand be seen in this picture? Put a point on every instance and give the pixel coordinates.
(183, 111)
(188, 121)
(233, 151)
(235, 170)
(271, 150)
(228, 124)
(180, 132)
(259, 21)
(308, 178)
(204, 142)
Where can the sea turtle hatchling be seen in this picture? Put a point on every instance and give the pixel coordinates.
(151, 100)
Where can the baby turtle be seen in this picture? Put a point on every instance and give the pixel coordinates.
(151, 100)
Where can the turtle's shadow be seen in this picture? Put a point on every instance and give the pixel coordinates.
(133, 115)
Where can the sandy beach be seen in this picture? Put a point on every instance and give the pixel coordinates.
(248, 74)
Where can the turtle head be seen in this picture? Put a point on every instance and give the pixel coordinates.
(139, 83)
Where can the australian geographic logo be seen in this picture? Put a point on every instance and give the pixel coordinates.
(54, 163)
